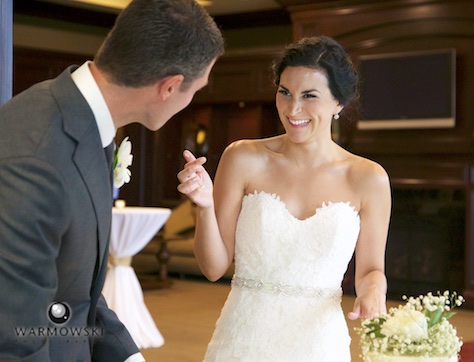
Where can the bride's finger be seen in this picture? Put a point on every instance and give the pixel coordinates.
(192, 160)
(187, 173)
(188, 156)
(190, 186)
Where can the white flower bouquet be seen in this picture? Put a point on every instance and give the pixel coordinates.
(416, 331)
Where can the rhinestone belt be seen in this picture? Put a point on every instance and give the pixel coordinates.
(285, 289)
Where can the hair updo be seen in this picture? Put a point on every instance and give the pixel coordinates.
(324, 54)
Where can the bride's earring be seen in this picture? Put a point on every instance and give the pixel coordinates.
(336, 116)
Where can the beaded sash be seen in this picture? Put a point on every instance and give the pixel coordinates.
(285, 289)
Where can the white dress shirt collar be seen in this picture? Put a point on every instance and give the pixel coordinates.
(87, 85)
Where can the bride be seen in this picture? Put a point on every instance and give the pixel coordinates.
(291, 210)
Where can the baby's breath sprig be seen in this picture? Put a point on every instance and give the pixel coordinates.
(436, 308)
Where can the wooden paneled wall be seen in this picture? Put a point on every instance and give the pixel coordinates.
(31, 66)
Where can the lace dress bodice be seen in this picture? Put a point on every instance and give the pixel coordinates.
(284, 304)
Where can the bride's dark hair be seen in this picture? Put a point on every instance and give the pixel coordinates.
(325, 54)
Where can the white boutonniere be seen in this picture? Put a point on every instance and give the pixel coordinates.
(122, 160)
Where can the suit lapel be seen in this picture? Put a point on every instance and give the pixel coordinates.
(94, 171)
(89, 157)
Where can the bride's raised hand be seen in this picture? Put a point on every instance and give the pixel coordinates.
(194, 180)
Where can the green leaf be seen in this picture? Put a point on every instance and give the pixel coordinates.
(434, 317)
(448, 315)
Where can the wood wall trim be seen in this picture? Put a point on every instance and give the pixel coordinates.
(348, 6)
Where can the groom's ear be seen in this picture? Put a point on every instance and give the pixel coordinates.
(169, 85)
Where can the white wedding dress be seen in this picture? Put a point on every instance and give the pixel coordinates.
(285, 301)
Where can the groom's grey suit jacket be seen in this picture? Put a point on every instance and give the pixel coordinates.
(55, 215)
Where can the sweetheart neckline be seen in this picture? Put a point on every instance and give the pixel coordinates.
(325, 204)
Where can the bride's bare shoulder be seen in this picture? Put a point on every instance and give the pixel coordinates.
(254, 150)
(367, 174)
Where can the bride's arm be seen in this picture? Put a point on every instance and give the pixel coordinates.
(217, 210)
(370, 280)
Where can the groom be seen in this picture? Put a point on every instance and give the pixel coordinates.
(55, 184)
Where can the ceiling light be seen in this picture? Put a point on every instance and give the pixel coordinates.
(114, 4)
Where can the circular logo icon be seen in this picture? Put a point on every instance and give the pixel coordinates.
(59, 312)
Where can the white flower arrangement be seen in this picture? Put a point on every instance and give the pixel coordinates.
(418, 329)
(122, 160)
